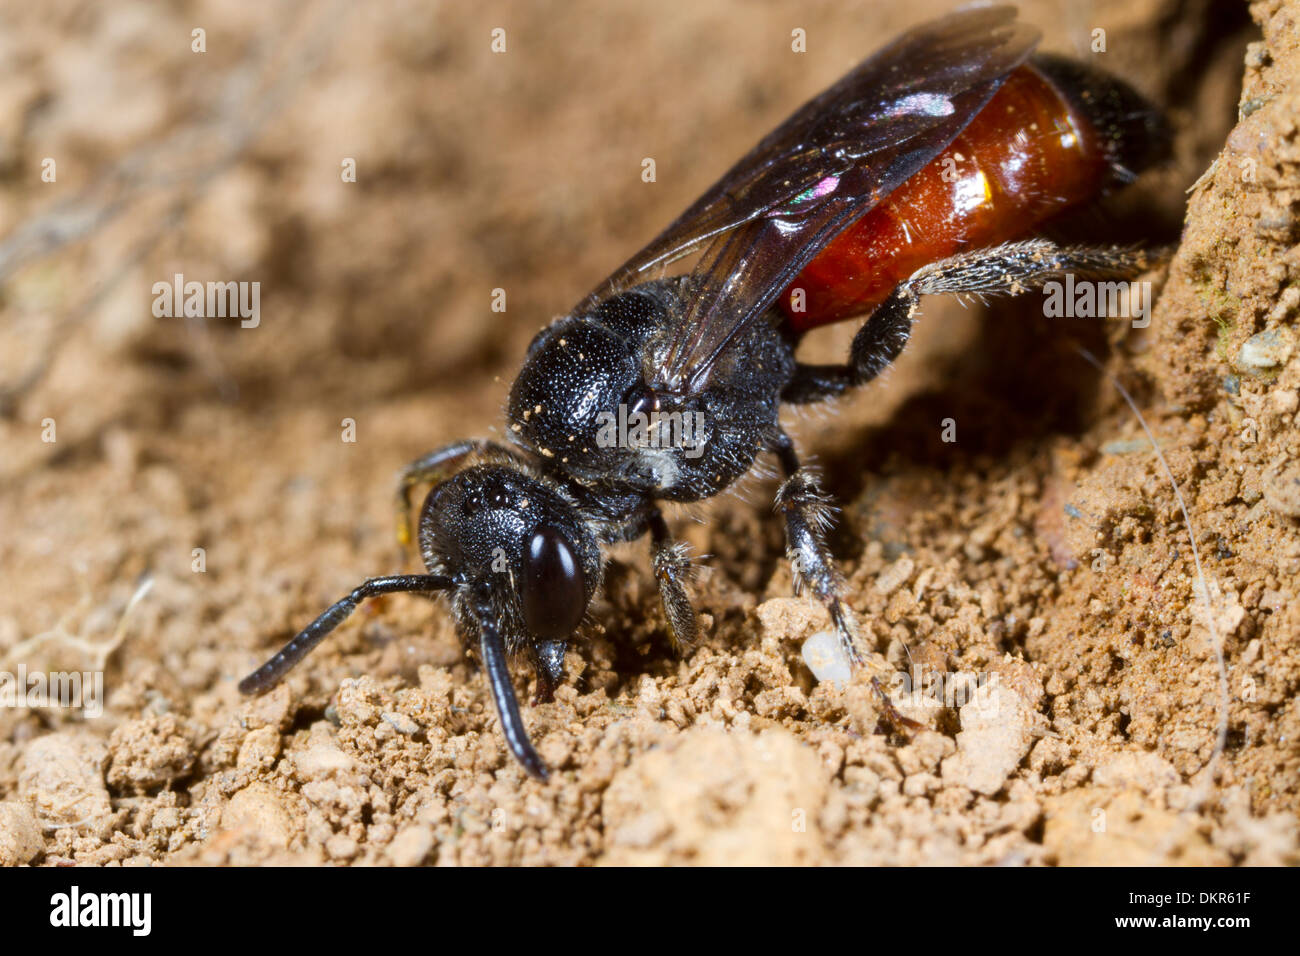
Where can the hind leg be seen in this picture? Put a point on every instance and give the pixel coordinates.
(808, 514)
(1013, 268)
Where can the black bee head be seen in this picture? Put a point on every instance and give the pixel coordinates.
(507, 533)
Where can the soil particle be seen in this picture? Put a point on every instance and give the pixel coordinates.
(714, 798)
(61, 776)
(997, 729)
(20, 834)
(150, 752)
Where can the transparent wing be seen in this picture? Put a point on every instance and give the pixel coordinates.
(824, 167)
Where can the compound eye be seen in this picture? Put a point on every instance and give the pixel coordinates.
(554, 588)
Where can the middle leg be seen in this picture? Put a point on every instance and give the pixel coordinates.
(808, 513)
(672, 567)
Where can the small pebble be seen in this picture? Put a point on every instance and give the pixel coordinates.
(1267, 350)
(341, 847)
(411, 845)
(61, 776)
(20, 835)
(825, 657)
(260, 809)
(895, 576)
(1126, 447)
(1282, 490)
(400, 722)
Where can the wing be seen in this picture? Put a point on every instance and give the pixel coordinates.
(814, 175)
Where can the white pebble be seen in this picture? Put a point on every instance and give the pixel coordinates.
(825, 657)
(1266, 350)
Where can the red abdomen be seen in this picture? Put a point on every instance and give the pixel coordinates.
(1029, 154)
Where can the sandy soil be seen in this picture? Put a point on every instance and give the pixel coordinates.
(1044, 548)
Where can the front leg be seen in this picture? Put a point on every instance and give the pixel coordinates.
(673, 569)
(808, 514)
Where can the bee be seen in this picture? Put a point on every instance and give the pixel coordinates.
(923, 171)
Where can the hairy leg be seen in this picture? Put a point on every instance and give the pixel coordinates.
(1013, 268)
(672, 569)
(808, 514)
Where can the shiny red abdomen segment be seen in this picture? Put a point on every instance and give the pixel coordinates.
(1025, 157)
